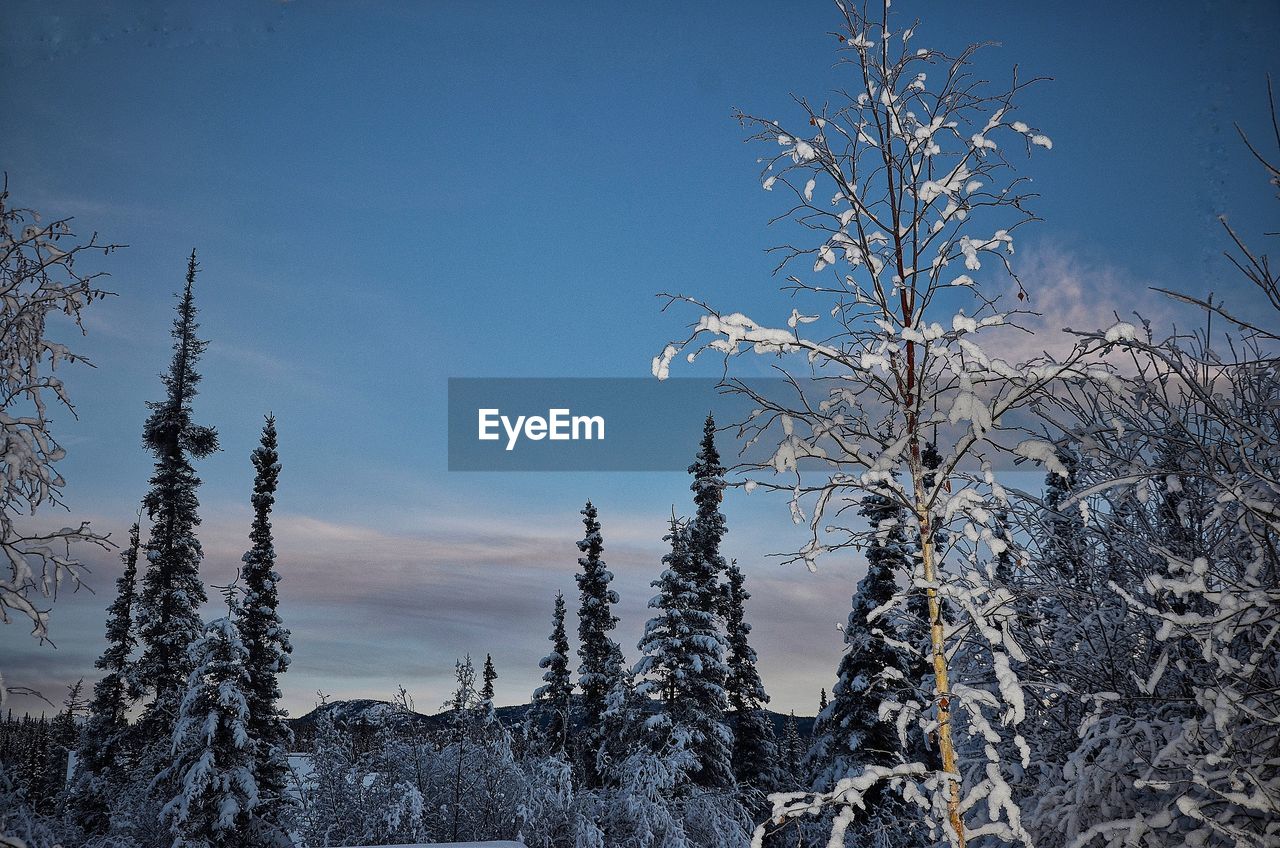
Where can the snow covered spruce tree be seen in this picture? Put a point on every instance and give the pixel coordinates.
(168, 606)
(661, 647)
(38, 280)
(755, 751)
(102, 759)
(902, 177)
(852, 732)
(711, 738)
(683, 668)
(490, 674)
(601, 671)
(1181, 473)
(212, 767)
(266, 642)
(554, 698)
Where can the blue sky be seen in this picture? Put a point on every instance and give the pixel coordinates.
(388, 195)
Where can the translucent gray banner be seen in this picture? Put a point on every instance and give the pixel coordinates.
(637, 424)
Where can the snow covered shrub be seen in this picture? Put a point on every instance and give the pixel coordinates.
(331, 793)
(1179, 740)
(547, 813)
(641, 811)
(656, 805)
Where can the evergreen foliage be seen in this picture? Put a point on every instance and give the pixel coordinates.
(213, 763)
(266, 640)
(852, 734)
(663, 645)
(704, 694)
(600, 669)
(168, 606)
(490, 675)
(793, 751)
(755, 751)
(101, 758)
(554, 697)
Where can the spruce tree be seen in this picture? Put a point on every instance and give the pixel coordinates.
(852, 734)
(684, 667)
(168, 606)
(755, 751)
(212, 768)
(490, 675)
(662, 645)
(793, 752)
(49, 795)
(822, 699)
(266, 640)
(100, 762)
(600, 669)
(708, 527)
(554, 697)
(711, 739)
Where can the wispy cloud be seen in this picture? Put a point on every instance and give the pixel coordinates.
(1069, 291)
(372, 608)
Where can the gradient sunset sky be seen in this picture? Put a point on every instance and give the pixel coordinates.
(386, 195)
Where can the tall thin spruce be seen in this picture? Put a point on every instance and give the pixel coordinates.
(554, 696)
(755, 751)
(712, 739)
(601, 668)
(490, 674)
(266, 639)
(172, 592)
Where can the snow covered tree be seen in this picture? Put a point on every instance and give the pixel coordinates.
(1178, 746)
(38, 280)
(662, 646)
(1065, 542)
(553, 698)
(168, 606)
(793, 751)
(853, 734)
(755, 752)
(266, 641)
(683, 667)
(100, 760)
(392, 775)
(490, 675)
(49, 789)
(549, 815)
(331, 796)
(600, 670)
(708, 527)
(898, 180)
(704, 679)
(212, 764)
(463, 722)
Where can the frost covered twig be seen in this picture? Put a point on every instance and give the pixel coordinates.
(38, 279)
(903, 179)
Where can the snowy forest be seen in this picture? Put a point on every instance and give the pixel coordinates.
(1091, 661)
